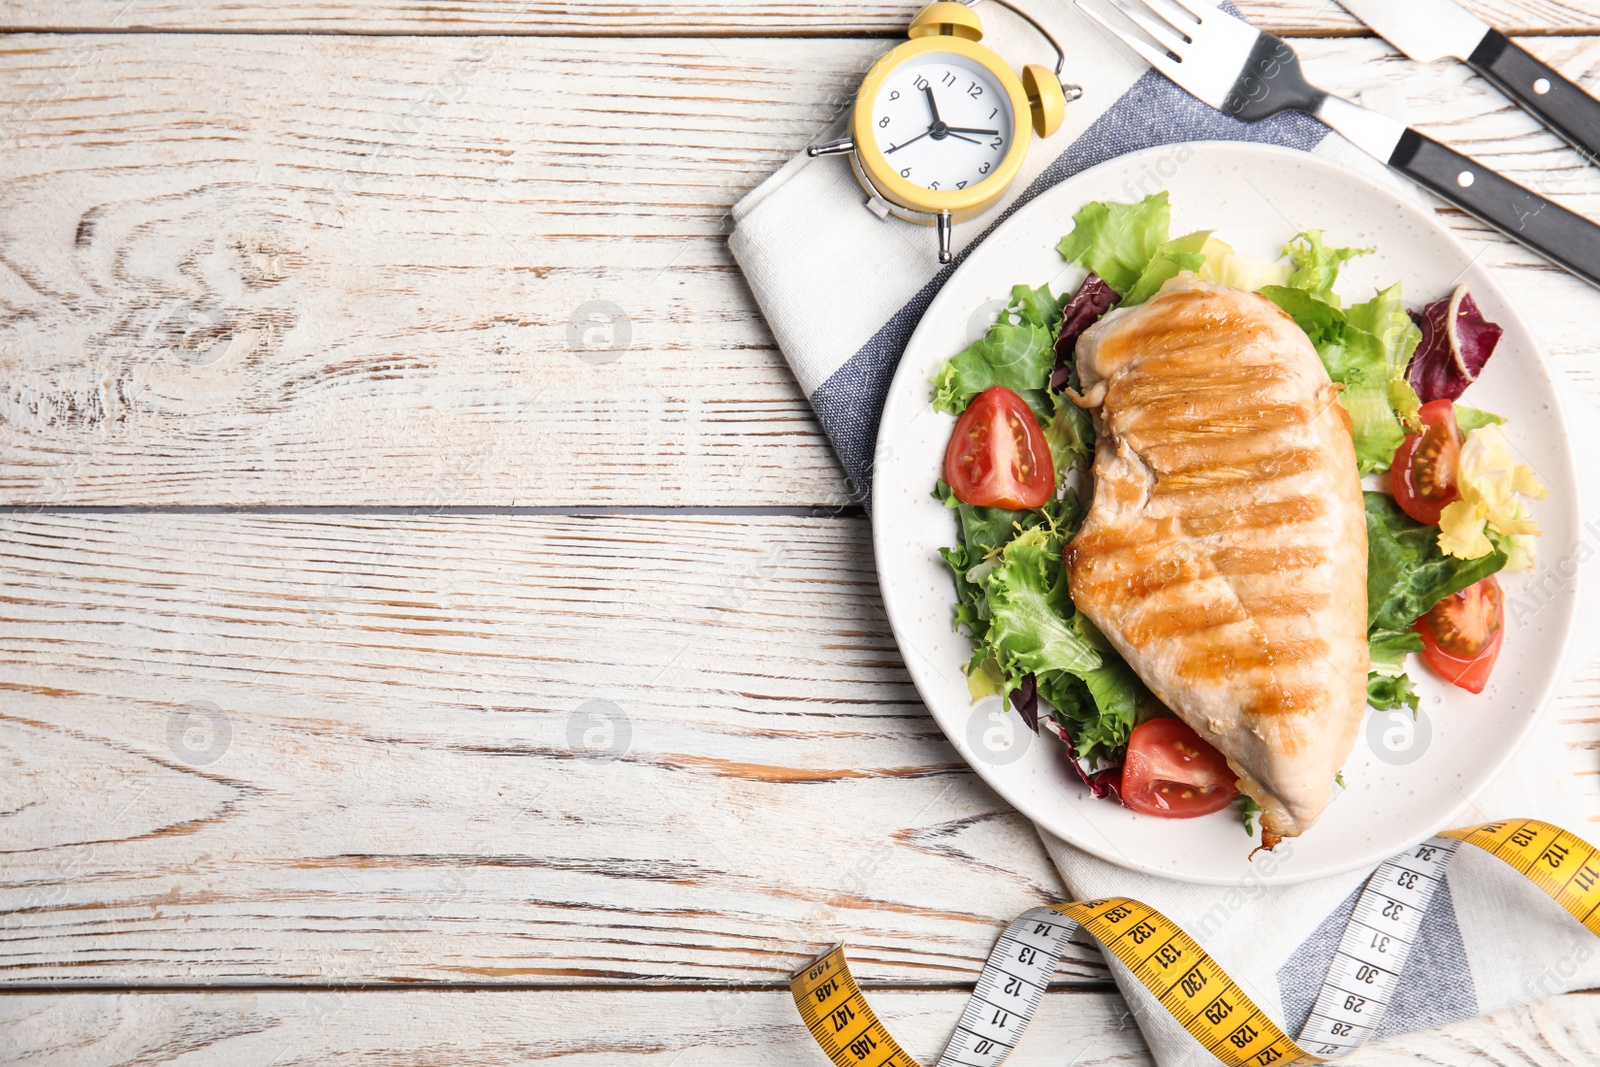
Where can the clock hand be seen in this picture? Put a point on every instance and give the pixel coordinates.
(918, 137)
(958, 137)
(933, 107)
(964, 129)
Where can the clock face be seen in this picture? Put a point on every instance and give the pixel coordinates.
(942, 121)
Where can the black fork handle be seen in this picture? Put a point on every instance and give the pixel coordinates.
(1562, 236)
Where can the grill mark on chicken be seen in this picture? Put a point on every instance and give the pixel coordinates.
(1224, 554)
(1272, 515)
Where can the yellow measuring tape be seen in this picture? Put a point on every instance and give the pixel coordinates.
(1177, 971)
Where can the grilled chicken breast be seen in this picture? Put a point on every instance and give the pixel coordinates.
(1225, 553)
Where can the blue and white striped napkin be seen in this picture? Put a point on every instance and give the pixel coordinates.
(842, 292)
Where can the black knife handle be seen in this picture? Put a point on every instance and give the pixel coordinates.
(1549, 229)
(1570, 112)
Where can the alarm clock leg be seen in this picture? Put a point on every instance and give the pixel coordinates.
(832, 148)
(944, 237)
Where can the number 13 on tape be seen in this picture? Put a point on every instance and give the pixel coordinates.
(1187, 982)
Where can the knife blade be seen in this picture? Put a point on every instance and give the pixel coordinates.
(1427, 30)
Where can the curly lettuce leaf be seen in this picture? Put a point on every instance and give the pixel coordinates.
(1098, 708)
(1495, 494)
(1012, 598)
(1316, 266)
(1384, 318)
(1117, 241)
(1224, 266)
(1029, 610)
(1018, 352)
(1388, 649)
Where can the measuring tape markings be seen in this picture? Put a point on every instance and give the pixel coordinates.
(1373, 949)
(1187, 982)
(1562, 864)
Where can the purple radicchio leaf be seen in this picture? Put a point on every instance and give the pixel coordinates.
(1103, 782)
(1094, 298)
(1457, 342)
(1025, 698)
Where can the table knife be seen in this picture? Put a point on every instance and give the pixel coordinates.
(1427, 30)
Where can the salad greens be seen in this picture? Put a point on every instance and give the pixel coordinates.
(1118, 241)
(1017, 352)
(1407, 574)
(1365, 347)
(1011, 589)
(1012, 598)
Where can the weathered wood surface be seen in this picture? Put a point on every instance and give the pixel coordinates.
(656, 19)
(658, 1029)
(345, 750)
(364, 271)
(247, 749)
(534, 750)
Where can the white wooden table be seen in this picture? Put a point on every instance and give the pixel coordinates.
(392, 671)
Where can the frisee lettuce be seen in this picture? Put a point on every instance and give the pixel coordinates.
(1011, 597)
(1017, 351)
(1316, 267)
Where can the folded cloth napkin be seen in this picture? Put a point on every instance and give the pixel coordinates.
(842, 291)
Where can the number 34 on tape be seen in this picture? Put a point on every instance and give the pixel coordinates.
(1187, 982)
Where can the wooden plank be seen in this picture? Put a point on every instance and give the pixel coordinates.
(1295, 17)
(499, 749)
(653, 1029)
(348, 273)
(533, 750)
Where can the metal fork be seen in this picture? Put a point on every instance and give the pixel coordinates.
(1251, 75)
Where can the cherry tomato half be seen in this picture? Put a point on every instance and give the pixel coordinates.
(1423, 474)
(998, 457)
(1461, 636)
(1171, 773)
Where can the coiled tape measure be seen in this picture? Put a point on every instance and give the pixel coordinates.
(1187, 982)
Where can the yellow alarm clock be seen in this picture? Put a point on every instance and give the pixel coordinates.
(941, 125)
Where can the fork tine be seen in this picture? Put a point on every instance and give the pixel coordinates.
(1164, 32)
(1157, 59)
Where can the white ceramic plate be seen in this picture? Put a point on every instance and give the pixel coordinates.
(1404, 783)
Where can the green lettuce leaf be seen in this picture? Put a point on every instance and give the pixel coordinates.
(1178, 254)
(1384, 318)
(1018, 352)
(1099, 708)
(1070, 433)
(1249, 809)
(1316, 267)
(1406, 573)
(1388, 649)
(1011, 596)
(1469, 419)
(1029, 611)
(1374, 425)
(1390, 692)
(1366, 350)
(1117, 241)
